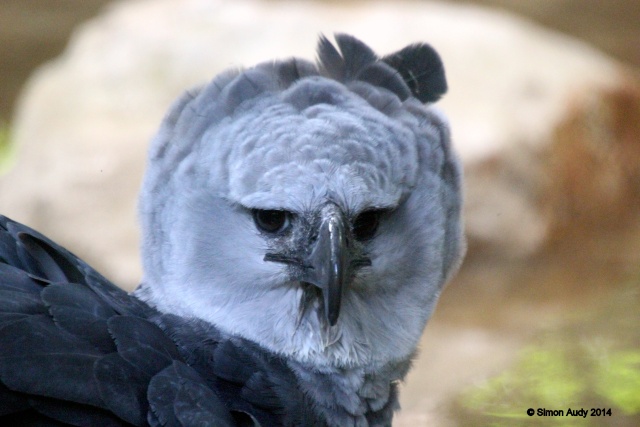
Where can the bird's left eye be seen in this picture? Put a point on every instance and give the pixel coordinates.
(272, 221)
(366, 224)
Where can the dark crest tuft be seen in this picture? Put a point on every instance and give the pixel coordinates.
(421, 69)
(346, 64)
(416, 70)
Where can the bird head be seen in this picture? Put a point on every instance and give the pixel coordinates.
(311, 208)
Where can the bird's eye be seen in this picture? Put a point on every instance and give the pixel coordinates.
(271, 220)
(366, 224)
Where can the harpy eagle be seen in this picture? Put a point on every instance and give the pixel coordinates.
(299, 221)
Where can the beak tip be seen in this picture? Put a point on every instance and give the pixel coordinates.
(332, 308)
(333, 318)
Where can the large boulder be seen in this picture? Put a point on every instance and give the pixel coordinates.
(546, 126)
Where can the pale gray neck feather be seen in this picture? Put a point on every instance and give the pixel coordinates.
(354, 397)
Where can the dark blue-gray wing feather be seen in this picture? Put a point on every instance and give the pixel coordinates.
(77, 350)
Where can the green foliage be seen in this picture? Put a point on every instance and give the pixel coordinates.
(556, 379)
(592, 364)
(543, 377)
(618, 380)
(5, 148)
(554, 376)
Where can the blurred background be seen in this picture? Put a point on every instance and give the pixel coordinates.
(544, 105)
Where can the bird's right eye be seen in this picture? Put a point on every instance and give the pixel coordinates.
(272, 221)
(366, 224)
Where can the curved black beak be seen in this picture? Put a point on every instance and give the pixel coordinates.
(329, 262)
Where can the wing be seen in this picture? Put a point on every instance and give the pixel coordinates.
(77, 350)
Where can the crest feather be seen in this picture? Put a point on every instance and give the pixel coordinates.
(416, 70)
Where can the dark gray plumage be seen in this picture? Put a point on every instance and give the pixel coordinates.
(299, 222)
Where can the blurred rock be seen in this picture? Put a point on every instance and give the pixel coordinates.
(547, 127)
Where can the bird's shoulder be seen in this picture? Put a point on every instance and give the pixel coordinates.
(77, 350)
